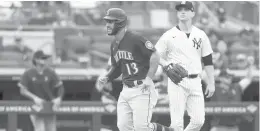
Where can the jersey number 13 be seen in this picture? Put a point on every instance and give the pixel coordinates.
(131, 68)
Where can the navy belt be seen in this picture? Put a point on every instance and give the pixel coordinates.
(192, 76)
(132, 84)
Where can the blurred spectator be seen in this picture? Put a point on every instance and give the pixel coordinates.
(75, 49)
(214, 38)
(220, 58)
(247, 34)
(221, 16)
(228, 90)
(20, 48)
(242, 62)
(222, 46)
(220, 61)
(244, 44)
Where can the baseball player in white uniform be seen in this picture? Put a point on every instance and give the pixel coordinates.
(187, 46)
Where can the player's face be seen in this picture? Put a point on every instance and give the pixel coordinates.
(185, 14)
(110, 24)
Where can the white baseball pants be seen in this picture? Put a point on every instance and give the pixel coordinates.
(188, 96)
(43, 122)
(134, 108)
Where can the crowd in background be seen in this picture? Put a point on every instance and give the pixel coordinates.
(229, 50)
(238, 50)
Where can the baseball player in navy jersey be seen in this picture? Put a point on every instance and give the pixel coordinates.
(136, 59)
(42, 85)
(186, 45)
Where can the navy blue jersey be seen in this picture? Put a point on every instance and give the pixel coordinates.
(42, 85)
(132, 56)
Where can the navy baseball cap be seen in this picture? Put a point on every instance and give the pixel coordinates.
(40, 55)
(185, 4)
(115, 14)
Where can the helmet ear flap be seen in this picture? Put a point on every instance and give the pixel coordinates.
(122, 23)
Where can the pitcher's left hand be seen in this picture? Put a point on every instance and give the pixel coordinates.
(209, 92)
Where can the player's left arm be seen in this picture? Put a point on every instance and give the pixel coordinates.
(149, 50)
(206, 53)
(154, 62)
(57, 84)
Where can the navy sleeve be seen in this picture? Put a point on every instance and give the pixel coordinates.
(146, 47)
(115, 70)
(24, 81)
(114, 73)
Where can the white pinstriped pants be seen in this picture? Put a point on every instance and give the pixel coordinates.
(188, 96)
(134, 108)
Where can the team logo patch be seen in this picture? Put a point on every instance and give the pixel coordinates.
(197, 43)
(149, 45)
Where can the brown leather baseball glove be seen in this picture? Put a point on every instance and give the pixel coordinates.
(175, 72)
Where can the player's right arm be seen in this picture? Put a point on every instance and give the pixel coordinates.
(114, 70)
(206, 54)
(24, 88)
(161, 47)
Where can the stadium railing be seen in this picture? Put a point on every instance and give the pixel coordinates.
(97, 109)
